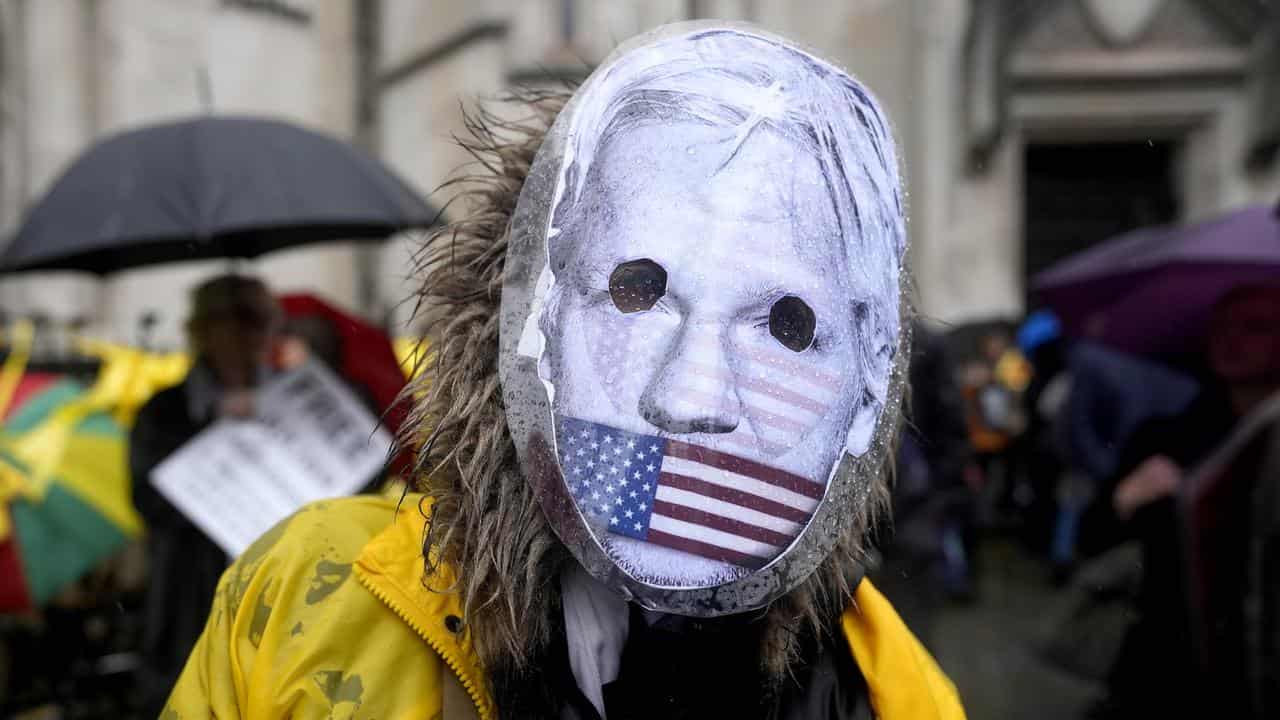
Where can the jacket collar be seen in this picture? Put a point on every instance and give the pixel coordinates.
(391, 567)
(903, 679)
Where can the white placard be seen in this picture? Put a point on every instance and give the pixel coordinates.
(310, 439)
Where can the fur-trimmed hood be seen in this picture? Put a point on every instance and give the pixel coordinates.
(485, 520)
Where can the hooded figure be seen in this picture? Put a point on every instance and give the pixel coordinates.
(668, 342)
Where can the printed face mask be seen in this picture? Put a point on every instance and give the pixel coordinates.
(701, 316)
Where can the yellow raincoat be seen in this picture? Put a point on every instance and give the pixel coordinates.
(326, 616)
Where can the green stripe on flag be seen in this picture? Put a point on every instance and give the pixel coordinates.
(42, 404)
(60, 539)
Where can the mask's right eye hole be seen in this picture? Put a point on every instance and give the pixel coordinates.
(791, 322)
(637, 285)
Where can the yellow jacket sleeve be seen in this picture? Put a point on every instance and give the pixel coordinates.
(294, 633)
(213, 682)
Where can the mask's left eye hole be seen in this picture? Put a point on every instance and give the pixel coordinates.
(791, 322)
(637, 285)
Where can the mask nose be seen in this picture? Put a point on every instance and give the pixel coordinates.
(693, 390)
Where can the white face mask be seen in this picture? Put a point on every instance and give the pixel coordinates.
(701, 316)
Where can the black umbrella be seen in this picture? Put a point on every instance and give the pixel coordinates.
(214, 186)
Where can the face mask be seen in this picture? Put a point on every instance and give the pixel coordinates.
(701, 342)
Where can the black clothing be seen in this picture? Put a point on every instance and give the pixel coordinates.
(1157, 672)
(681, 667)
(184, 563)
(937, 414)
(930, 495)
(1186, 439)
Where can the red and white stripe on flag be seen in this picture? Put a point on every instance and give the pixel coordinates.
(724, 507)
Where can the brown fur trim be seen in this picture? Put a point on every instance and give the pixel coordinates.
(484, 522)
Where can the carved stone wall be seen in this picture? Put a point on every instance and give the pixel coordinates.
(1189, 71)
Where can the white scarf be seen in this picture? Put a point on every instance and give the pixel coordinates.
(595, 622)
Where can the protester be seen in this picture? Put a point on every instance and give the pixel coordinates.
(357, 352)
(1054, 490)
(928, 554)
(501, 617)
(360, 356)
(231, 329)
(992, 383)
(1157, 672)
(1109, 395)
(310, 338)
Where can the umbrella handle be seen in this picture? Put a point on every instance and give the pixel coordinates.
(21, 338)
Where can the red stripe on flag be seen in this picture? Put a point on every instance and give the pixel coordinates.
(754, 443)
(764, 387)
(761, 415)
(706, 550)
(778, 392)
(719, 522)
(806, 371)
(29, 385)
(743, 466)
(809, 373)
(732, 495)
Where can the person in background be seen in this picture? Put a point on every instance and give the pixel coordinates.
(1141, 503)
(307, 338)
(993, 384)
(933, 529)
(1055, 492)
(359, 354)
(233, 323)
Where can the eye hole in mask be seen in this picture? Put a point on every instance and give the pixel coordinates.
(791, 322)
(637, 285)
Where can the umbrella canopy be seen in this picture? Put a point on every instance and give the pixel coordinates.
(214, 186)
(1152, 290)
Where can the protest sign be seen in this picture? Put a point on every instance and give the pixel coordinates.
(309, 439)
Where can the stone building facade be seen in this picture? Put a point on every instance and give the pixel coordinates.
(1029, 128)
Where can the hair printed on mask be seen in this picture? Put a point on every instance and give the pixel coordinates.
(746, 85)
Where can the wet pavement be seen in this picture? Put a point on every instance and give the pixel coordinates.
(989, 648)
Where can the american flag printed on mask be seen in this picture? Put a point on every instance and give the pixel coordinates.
(683, 496)
(781, 397)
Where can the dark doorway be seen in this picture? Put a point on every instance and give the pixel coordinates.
(1078, 195)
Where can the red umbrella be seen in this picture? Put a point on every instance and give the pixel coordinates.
(366, 357)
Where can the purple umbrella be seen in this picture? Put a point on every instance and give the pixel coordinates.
(1151, 291)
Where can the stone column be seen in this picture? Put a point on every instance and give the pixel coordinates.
(49, 104)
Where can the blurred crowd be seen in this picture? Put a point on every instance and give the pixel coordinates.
(1144, 484)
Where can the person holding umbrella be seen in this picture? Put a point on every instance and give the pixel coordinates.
(1141, 502)
(233, 323)
(205, 187)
